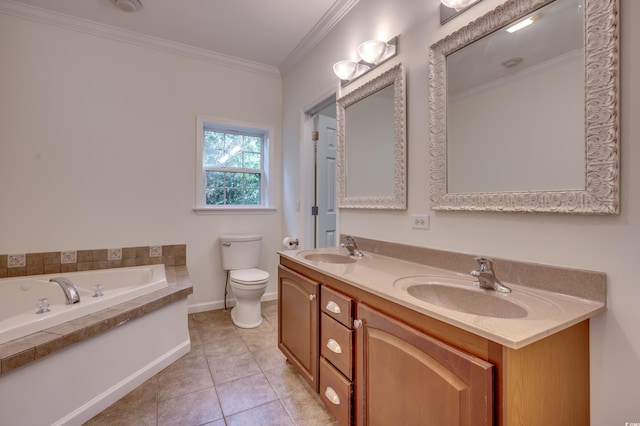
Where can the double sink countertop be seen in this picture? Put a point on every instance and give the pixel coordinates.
(514, 320)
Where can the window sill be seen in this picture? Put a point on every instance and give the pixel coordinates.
(234, 210)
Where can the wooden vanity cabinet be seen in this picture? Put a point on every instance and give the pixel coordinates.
(406, 377)
(298, 326)
(404, 363)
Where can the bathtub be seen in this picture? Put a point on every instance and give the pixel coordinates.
(69, 386)
(19, 296)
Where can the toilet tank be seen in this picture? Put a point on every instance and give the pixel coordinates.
(240, 251)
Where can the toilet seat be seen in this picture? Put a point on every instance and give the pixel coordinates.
(252, 276)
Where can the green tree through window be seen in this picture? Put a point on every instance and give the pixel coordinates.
(233, 164)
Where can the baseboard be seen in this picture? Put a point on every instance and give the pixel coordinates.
(219, 304)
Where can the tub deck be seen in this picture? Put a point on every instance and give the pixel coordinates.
(22, 351)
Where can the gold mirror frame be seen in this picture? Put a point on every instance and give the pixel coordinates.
(602, 181)
(398, 200)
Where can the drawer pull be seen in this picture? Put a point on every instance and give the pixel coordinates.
(333, 307)
(332, 395)
(312, 297)
(357, 323)
(334, 346)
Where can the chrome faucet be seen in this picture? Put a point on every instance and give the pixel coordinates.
(486, 277)
(69, 288)
(350, 244)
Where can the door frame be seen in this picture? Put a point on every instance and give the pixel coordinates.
(307, 167)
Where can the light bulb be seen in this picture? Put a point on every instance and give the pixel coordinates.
(372, 51)
(345, 70)
(457, 4)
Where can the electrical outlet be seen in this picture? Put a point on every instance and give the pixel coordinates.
(420, 221)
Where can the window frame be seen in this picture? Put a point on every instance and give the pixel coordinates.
(266, 189)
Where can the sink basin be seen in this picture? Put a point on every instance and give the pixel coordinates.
(469, 300)
(328, 258)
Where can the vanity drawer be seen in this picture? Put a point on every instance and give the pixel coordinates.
(337, 306)
(336, 344)
(335, 392)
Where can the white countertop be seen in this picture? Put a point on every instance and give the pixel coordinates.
(539, 313)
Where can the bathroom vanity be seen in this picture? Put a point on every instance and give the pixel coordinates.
(376, 354)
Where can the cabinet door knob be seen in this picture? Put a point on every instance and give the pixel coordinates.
(334, 346)
(312, 297)
(357, 323)
(332, 395)
(333, 307)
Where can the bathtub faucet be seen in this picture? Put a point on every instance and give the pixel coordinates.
(69, 288)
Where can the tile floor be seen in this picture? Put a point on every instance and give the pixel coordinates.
(232, 376)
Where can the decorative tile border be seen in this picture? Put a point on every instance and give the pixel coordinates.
(155, 251)
(68, 257)
(114, 254)
(16, 261)
(18, 265)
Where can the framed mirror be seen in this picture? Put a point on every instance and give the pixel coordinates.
(527, 121)
(371, 140)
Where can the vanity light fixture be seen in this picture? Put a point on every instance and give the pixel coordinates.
(458, 4)
(348, 70)
(372, 53)
(522, 24)
(128, 5)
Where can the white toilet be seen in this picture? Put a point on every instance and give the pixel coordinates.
(240, 256)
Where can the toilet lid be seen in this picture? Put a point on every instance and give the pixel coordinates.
(249, 276)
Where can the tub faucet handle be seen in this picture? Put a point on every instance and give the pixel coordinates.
(42, 306)
(98, 290)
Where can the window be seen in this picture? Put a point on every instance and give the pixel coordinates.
(232, 166)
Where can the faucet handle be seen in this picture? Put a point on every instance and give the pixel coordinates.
(484, 263)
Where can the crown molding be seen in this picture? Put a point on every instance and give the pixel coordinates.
(33, 13)
(334, 15)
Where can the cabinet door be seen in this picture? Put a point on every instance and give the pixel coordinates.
(406, 377)
(298, 313)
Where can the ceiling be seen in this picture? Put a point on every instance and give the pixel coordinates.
(273, 33)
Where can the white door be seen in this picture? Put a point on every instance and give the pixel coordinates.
(326, 183)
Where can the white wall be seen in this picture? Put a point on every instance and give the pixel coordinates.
(610, 244)
(97, 147)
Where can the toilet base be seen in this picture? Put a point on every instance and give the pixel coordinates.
(242, 319)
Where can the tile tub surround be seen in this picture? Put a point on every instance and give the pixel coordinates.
(19, 352)
(232, 376)
(546, 311)
(87, 260)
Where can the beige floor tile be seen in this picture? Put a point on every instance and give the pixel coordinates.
(216, 332)
(272, 320)
(286, 381)
(307, 409)
(233, 345)
(245, 393)
(184, 393)
(269, 358)
(220, 422)
(137, 407)
(233, 367)
(192, 409)
(189, 374)
(259, 340)
(270, 414)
